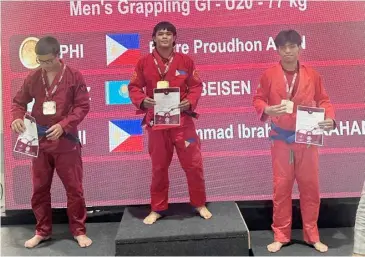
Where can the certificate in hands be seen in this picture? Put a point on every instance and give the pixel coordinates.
(166, 110)
(27, 142)
(307, 128)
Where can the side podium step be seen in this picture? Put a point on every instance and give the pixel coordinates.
(183, 232)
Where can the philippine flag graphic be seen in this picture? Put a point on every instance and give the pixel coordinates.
(116, 92)
(125, 136)
(122, 49)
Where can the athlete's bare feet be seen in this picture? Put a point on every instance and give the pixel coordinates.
(320, 247)
(274, 247)
(34, 241)
(151, 218)
(204, 212)
(83, 240)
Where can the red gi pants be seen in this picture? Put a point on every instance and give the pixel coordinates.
(161, 149)
(300, 162)
(69, 168)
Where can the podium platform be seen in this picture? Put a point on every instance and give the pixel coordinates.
(183, 232)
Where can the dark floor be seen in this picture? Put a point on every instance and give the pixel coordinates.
(339, 240)
(62, 243)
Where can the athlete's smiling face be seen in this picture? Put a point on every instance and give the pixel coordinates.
(164, 39)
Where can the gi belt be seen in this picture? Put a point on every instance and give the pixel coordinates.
(42, 132)
(285, 135)
(192, 114)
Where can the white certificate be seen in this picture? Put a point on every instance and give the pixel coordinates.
(27, 142)
(166, 110)
(307, 128)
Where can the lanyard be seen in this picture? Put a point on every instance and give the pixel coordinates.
(289, 90)
(167, 66)
(56, 86)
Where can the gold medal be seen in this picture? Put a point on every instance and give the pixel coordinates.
(27, 53)
(163, 84)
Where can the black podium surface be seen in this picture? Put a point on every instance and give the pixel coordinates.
(184, 232)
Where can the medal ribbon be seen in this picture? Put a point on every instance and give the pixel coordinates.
(167, 66)
(56, 85)
(289, 90)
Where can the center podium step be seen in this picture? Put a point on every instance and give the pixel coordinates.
(184, 232)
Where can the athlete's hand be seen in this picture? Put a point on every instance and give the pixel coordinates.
(18, 126)
(184, 105)
(275, 110)
(54, 132)
(148, 103)
(327, 124)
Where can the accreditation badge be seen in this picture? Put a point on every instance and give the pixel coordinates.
(49, 108)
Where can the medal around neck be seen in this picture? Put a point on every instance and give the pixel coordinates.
(49, 108)
(163, 84)
(289, 105)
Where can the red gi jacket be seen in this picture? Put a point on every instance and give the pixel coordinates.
(72, 105)
(181, 73)
(310, 92)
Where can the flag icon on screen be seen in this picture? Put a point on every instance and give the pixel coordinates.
(122, 49)
(125, 136)
(116, 92)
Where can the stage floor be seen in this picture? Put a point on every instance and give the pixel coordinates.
(340, 241)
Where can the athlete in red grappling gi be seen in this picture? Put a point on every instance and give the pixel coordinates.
(179, 70)
(61, 103)
(301, 84)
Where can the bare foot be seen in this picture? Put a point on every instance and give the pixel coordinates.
(34, 241)
(204, 212)
(83, 240)
(320, 247)
(151, 218)
(274, 247)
